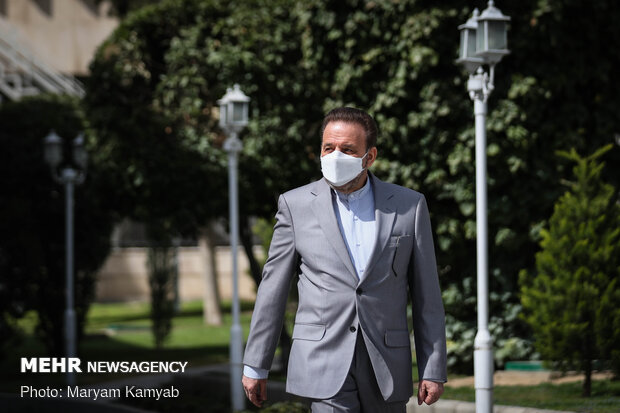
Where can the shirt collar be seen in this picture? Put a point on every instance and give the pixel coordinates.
(361, 193)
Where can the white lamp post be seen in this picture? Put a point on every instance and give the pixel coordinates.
(72, 173)
(483, 42)
(233, 118)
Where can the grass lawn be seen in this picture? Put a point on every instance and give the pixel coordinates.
(567, 396)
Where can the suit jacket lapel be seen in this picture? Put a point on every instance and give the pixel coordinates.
(385, 213)
(323, 209)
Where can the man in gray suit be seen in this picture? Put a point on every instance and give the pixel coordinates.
(360, 247)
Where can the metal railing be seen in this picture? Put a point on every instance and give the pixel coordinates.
(24, 74)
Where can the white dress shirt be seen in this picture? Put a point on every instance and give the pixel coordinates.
(356, 217)
(355, 213)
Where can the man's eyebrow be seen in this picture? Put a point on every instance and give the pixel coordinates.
(344, 145)
(348, 145)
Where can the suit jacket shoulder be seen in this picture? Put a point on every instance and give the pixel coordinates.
(305, 192)
(397, 189)
(402, 197)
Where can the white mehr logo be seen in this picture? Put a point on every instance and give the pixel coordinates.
(50, 364)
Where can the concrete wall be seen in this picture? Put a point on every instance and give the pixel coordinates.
(124, 275)
(64, 33)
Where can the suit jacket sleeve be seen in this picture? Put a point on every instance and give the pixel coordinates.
(428, 313)
(273, 292)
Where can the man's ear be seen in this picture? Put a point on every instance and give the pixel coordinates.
(370, 158)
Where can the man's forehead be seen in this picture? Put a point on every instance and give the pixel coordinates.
(345, 133)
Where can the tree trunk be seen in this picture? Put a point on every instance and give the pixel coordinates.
(256, 271)
(246, 241)
(160, 258)
(587, 383)
(212, 313)
(176, 243)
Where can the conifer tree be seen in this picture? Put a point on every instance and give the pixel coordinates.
(569, 303)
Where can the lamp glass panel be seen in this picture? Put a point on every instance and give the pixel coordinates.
(463, 44)
(223, 110)
(481, 33)
(497, 35)
(80, 156)
(238, 112)
(53, 153)
(471, 42)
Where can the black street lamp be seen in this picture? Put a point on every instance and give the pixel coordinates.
(69, 174)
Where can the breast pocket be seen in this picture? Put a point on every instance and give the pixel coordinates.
(402, 254)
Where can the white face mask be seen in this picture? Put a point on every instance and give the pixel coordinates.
(339, 168)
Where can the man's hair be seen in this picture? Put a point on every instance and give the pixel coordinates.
(353, 115)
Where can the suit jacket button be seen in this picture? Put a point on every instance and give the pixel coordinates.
(352, 329)
(359, 291)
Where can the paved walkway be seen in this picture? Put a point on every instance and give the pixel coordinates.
(526, 378)
(454, 406)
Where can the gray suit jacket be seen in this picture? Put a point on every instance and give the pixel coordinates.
(333, 302)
